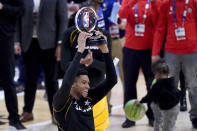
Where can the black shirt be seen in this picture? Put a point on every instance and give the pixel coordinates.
(77, 115)
(96, 70)
(8, 17)
(164, 93)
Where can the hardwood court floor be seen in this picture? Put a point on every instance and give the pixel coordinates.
(42, 119)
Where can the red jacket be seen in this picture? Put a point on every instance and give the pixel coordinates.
(128, 11)
(165, 20)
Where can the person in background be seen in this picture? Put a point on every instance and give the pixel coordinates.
(39, 37)
(177, 22)
(20, 82)
(114, 30)
(100, 110)
(73, 7)
(9, 12)
(164, 97)
(183, 100)
(140, 29)
(76, 1)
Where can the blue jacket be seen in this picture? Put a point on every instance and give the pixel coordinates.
(107, 9)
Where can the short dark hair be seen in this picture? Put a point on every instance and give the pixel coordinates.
(82, 71)
(160, 66)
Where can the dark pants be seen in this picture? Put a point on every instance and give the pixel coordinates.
(132, 61)
(33, 58)
(7, 75)
(22, 77)
(182, 85)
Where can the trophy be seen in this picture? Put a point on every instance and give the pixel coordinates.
(85, 21)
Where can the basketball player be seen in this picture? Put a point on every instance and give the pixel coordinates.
(72, 105)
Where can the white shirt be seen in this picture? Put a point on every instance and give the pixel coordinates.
(36, 10)
(36, 6)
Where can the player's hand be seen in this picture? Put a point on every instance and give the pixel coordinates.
(73, 7)
(122, 23)
(137, 102)
(155, 58)
(100, 34)
(88, 59)
(102, 47)
(1, 6)
(17, 49)
(58, 52)
(83, 36)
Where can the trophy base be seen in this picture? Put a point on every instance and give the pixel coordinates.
(94, 40)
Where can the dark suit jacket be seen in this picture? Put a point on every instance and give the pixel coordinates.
(8, 17)
(52, 21)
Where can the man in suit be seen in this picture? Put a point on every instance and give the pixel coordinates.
(39, 35)
(9, 10)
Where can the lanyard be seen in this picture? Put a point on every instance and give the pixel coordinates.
(145, 11)
(184, 12)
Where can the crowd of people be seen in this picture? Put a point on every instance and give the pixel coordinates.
(157, 37)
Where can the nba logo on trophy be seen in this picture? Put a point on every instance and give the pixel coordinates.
(86, 19)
